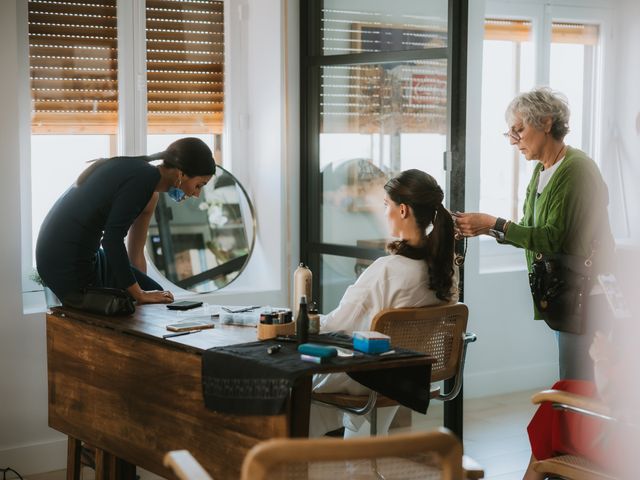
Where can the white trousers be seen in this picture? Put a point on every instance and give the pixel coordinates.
(323, 419)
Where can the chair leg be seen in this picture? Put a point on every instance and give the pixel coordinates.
(373, 431)
(373, 421)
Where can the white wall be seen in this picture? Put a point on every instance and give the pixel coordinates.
(260, 155)
(25, 440)
(623, 171)
(624, 129)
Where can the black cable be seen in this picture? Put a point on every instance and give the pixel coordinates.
(8, 469)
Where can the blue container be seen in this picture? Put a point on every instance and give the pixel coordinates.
(371, 342)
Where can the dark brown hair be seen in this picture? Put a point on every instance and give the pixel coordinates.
(190, 155)
(421, 192)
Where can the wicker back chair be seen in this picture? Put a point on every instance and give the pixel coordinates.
(439, 331)
(435, 455)
(573, 467)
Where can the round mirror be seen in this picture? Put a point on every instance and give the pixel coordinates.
(203, 244)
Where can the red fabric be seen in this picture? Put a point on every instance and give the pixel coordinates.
(556, 432)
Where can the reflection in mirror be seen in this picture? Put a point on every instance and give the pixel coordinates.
(203, 244)
(352, 213)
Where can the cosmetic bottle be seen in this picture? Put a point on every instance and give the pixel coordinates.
(302, 278)
(314, 319)
(302, 321)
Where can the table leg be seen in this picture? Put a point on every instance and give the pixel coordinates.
(123, 470)
(74, 448)
(110, 467)
(111, 473)
(102, 464)
(299, 407)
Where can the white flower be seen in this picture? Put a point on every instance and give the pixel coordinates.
(216, 215)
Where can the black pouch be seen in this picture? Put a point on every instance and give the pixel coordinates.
(101, 300)
(560, 285)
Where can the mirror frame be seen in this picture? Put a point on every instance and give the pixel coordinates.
(164, 230)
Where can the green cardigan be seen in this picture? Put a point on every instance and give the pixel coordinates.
(569, 213)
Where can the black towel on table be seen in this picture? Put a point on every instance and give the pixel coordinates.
(245, 379)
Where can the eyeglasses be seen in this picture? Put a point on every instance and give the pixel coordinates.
(512, 135)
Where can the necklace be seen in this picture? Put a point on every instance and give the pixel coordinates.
(555, 159)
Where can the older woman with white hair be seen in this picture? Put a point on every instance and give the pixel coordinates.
(565, 212)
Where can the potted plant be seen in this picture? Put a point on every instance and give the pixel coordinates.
(34, 276)
(50, 298)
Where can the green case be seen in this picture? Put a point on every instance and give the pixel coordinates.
(317, 350)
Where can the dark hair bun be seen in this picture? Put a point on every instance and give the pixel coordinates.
(192, 156)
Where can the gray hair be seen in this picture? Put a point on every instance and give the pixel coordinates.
(537, 105)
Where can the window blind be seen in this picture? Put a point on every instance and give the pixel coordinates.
(185, 66)
(407, 97)
(73, 66)
(508, 30)
(575, 33)
(521, 31)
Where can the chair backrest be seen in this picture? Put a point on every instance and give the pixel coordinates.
(600, 425)
(426, 455)
(437, 330)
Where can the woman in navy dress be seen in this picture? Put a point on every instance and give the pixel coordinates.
(82, 239)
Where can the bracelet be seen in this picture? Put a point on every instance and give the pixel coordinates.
(497, 234)
(506, 226)
(500, 223)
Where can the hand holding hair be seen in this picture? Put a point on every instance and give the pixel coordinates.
(473, 224)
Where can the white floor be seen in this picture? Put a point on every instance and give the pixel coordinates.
(494, 435)
(494, 432)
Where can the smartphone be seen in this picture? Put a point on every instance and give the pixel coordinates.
(189, 325)
(184, 305)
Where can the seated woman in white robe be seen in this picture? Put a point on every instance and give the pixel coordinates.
(418, 272)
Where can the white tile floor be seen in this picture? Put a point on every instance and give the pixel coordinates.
(494, 432)
(494, 435)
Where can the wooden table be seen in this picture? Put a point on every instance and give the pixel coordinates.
(118, 385)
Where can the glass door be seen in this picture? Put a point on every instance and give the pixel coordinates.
(379, 95)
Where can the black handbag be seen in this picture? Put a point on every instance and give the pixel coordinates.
(101, 300)
(560, 285)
